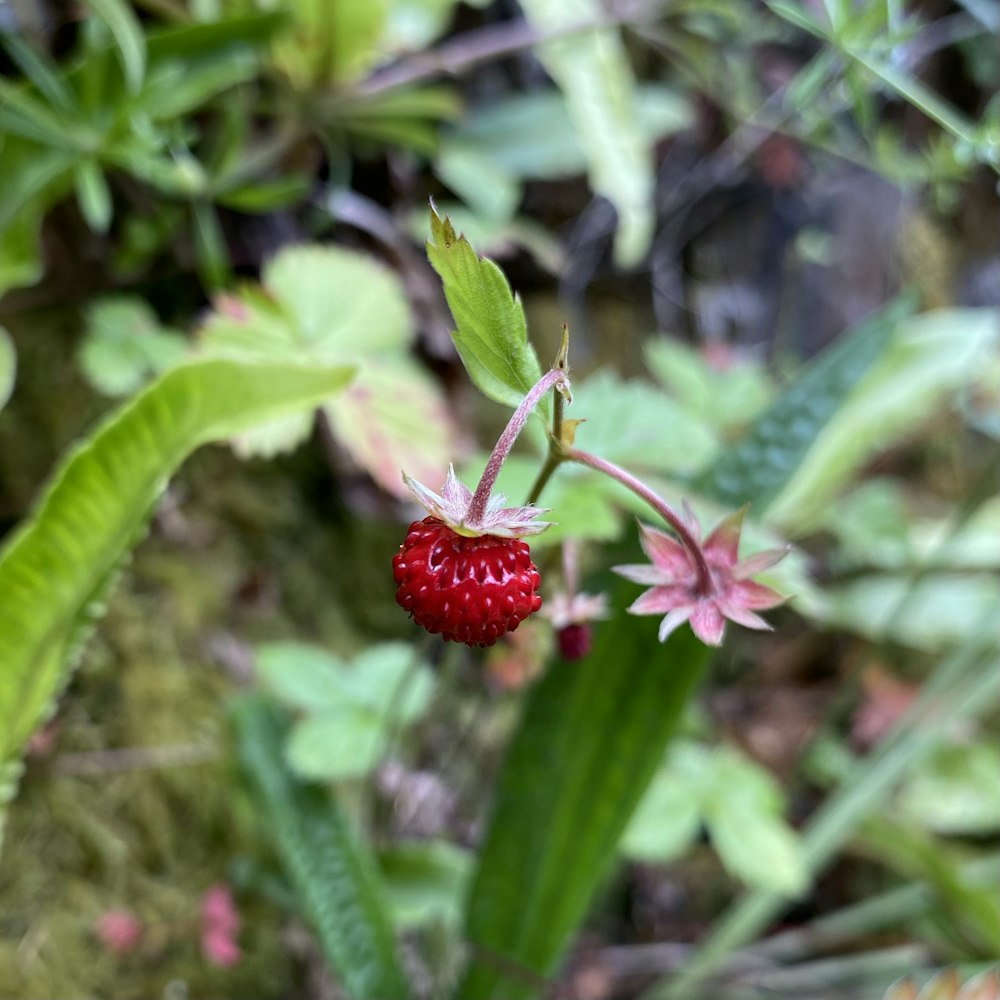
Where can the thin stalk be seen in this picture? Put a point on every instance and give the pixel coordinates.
(551, 379)
(557, 449)
(641, 490)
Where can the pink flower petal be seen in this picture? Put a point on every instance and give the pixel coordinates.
(708, 623)
(759, 562)
(664, 552)
(673, 619)
(119, 930)
(691, 519)
(723, 544)
(753, 595)
(745, 618)
(643, 573)
(659, 601)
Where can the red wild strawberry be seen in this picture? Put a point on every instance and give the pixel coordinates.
(465, 576)
(470, 590)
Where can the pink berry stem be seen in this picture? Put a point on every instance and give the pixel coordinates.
(554, 378)
(641, 490)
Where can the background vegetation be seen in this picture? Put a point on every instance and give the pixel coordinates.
(772, 229)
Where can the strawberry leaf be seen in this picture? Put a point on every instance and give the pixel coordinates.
(491, 334)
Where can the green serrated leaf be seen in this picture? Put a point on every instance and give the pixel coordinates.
(128, 35)
(491, 335)
(8, 367)
(335, 880)
(758, 466)
(57, 565)
(553, 831)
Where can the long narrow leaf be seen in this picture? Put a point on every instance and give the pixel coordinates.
(58, 565)
(129, 38)
(759, 465)
(337, 884)
(591, 738)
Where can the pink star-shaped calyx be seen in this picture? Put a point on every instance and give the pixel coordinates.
(704, 591)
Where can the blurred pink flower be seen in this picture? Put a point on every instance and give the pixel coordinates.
(681, 593)
(119, 931)
(220, 923)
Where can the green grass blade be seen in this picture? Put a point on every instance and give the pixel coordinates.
(129, 38)
(759, 465)
(56, 568)
(590, 740)
(40, 70)
(336, 883)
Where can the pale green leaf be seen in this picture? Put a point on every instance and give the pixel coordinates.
(595, 76)
(8, 367)
(531, 137)
(336, 744)
(743, 814)
(128, 35)
(425, 881)
(955, 791)
(668, 818)
(491, 335)
(341, 304)
(392, 680)
(60, 561)
(931, 613)
(637, 425)
(726, 397)
(301, 675)
(394, 418)
(325, 304)
(931, 356)
(124, 345)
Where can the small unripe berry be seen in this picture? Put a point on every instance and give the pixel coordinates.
(467, 589)
(574, 641)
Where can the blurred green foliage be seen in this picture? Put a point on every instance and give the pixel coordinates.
(149, 134)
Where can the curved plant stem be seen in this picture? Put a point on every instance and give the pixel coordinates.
(641, 490)
(554, 378)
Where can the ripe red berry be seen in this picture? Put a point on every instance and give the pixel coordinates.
(470, 590)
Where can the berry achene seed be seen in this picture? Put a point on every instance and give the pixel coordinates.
(467, 589)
